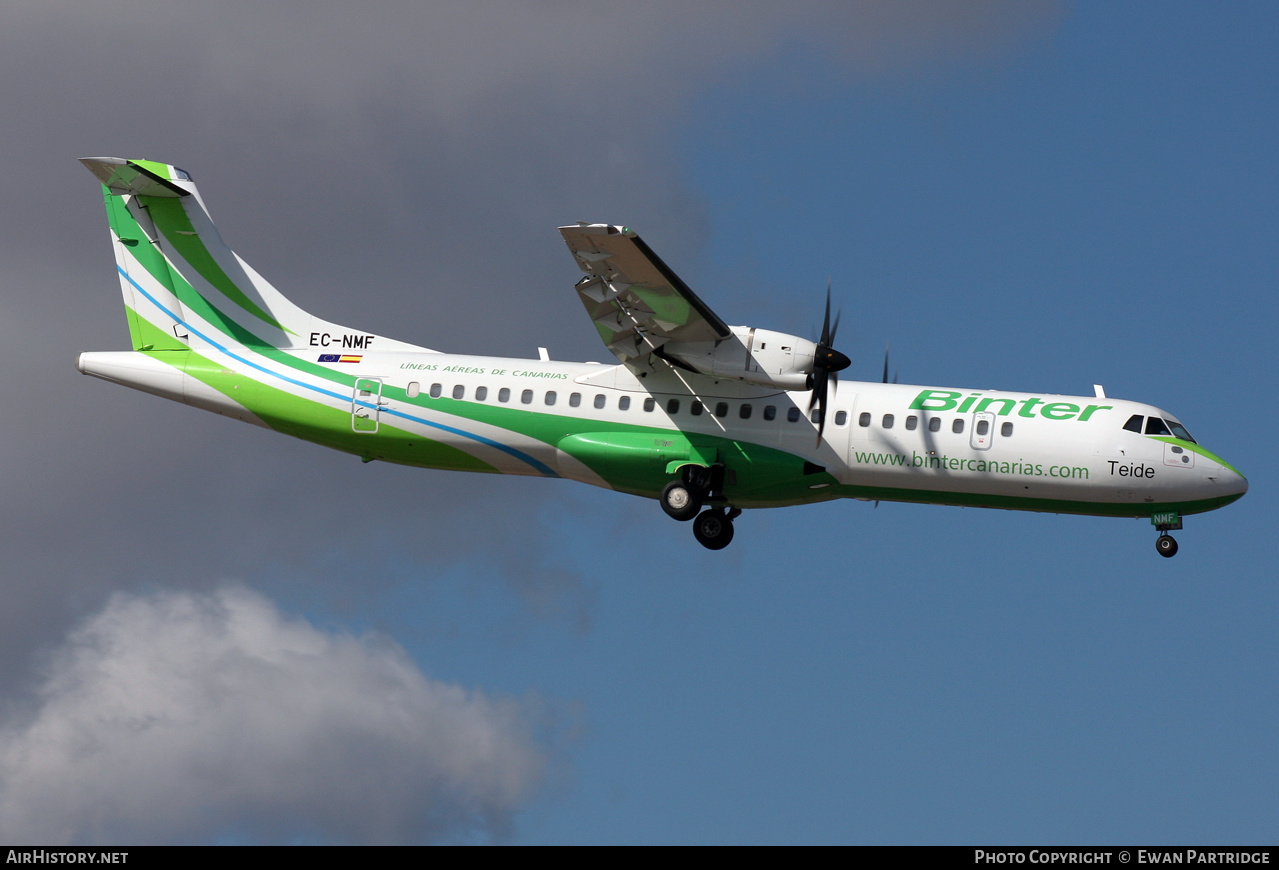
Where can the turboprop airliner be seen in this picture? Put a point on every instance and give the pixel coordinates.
(705, 418)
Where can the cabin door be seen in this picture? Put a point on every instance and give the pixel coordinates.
(366, 405)
(983, 430)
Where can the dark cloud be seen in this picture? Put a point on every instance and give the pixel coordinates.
(399, 167)
(396, 166)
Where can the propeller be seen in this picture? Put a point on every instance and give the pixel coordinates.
(827, 363)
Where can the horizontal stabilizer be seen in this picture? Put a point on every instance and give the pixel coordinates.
(139, 177)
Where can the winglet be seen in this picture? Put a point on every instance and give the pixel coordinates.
(140, 177)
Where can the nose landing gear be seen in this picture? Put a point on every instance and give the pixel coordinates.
(1166, 545)
(1169, 521)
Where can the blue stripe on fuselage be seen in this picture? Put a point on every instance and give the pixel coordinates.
(505, 448)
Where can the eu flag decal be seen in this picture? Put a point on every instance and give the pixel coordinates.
(341, 357)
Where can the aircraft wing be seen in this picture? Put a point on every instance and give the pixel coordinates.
(637, 303)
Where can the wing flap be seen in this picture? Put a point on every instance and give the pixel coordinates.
(636, 301)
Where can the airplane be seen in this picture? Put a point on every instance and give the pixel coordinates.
(706, 418)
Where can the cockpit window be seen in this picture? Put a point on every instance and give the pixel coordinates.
(1134, 423)
(182, 174)
(1179, 431)
(1155, 426)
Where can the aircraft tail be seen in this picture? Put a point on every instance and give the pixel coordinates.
(184, 288)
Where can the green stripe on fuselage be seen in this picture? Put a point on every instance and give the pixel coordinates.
(1042, 505)
(318, 422)
(638, 460)
(639, 463)
(1195, 448)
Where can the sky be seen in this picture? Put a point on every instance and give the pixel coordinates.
(210, 633)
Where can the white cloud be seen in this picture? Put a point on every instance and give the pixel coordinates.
(179, 717)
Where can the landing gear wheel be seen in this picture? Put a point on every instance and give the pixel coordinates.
(1166, 545)
(713, 529)
(680, 501)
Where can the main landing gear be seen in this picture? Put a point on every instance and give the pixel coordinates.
(683, 497)
(713, 527)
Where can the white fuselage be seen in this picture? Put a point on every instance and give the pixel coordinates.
(880, 440)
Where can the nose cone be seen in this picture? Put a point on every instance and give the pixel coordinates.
(1236, 483)
(1226, 481)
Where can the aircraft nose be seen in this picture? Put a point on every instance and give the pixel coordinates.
(1229, 481)
(1239, 485)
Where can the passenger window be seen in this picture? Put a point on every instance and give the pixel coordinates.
(1155, 426)
(744, 411)
(504, 394)
(599, 400)
(413, 389)
(792, 415)
(983, 427)
(888, 421)
(911, 422)
(770, 412)
(435, 391)
(934, 424)
(1006, 430)
(721, 409)
(481, 393)
(863, 419)
(1134, 423)
(841, 417)
(624, 403)
(459, 392)
(574, 400)
(672, 406)
(649, 404)
(550, 397)
(958, 426)
(695, 408)
(816, 415)
(526, 397)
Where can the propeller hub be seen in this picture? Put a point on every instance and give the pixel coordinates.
(830, 359)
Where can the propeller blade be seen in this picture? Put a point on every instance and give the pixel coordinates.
(819, 388)
(827, 362)
(895, 372)
(821, 381)
(825, 339)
